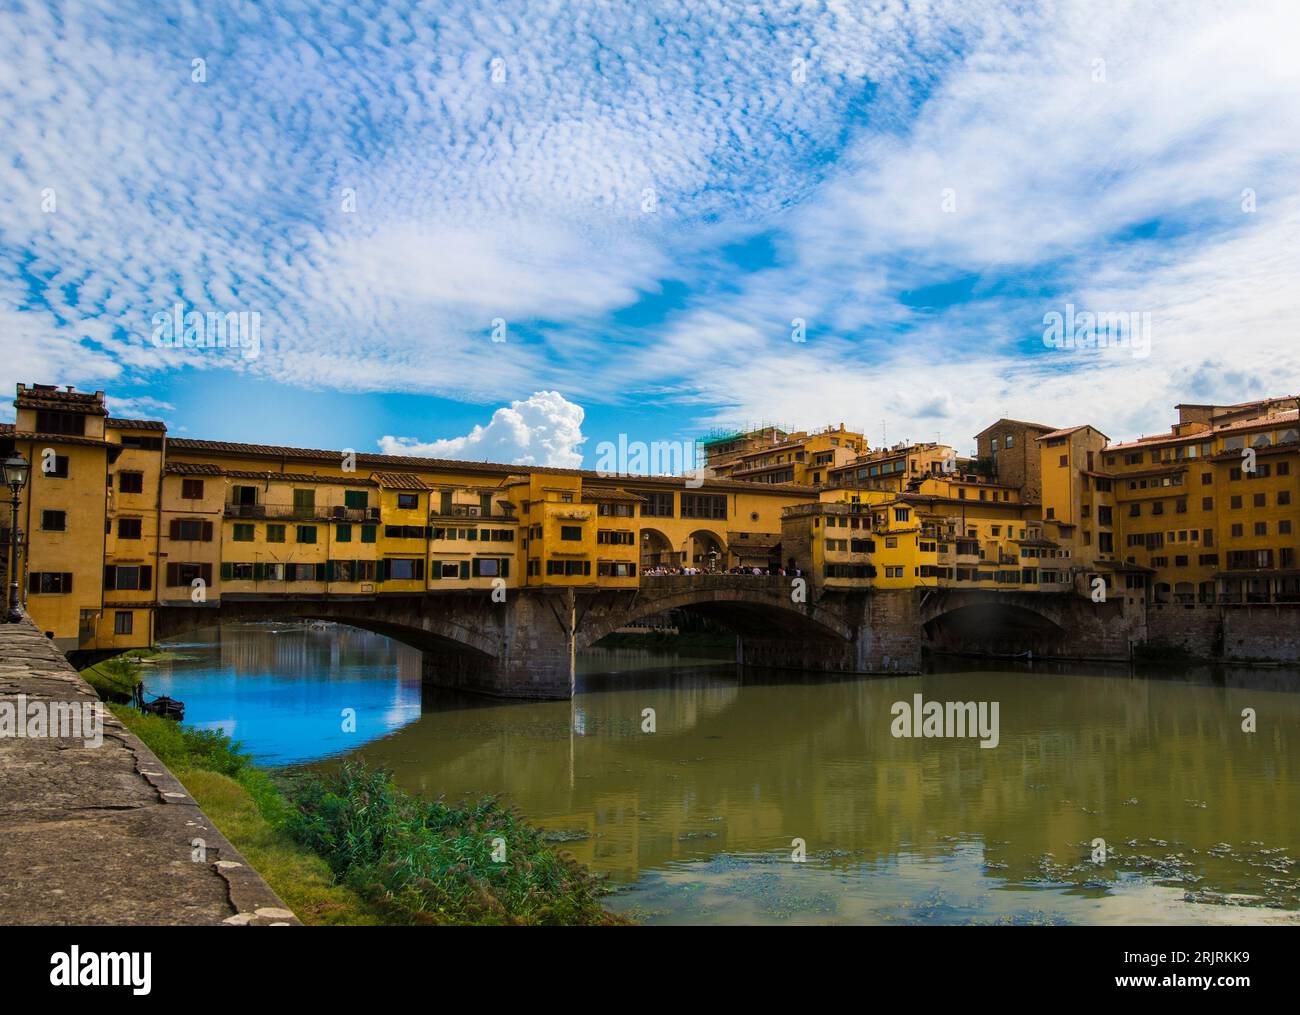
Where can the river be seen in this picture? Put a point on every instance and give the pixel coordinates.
(787, 798)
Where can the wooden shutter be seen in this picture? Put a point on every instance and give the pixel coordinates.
(419, 569)
(321, 573)
(226, 571)
(505, 567)
(435, 570)
(146, 577)
(207, 532)
(464, 569)
(205, 572)
(174, 532)
(110, 576)
(173, 574)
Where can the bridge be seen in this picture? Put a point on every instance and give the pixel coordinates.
(523, 645)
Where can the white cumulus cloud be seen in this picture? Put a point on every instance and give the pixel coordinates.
(543, 429)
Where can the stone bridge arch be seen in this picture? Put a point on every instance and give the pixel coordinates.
(1047, 624)
(419, 621)
(752, 607)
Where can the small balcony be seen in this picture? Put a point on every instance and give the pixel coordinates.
(502, 513)
(296, 512)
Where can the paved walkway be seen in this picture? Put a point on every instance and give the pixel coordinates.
(102, 835)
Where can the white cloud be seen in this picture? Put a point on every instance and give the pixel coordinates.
(543, 429)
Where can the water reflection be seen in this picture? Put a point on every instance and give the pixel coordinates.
(283, 690)
(697, 821)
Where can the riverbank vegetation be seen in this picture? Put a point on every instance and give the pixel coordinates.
(351, 847)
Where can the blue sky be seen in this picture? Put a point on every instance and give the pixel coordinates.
(647, 195)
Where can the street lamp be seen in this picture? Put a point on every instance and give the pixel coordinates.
(16, 469)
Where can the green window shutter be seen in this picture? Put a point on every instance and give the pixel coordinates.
(110, 576)
(381, 570)
(474, 568)
(368, 533)
(505, 567)
(321, 570)
(259, 572)
(419, 569)
(435, 570)
(464, 569)
(226, 571)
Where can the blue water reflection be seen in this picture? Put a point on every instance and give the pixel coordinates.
(282, 690)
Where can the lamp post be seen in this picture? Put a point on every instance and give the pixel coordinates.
(15, 474)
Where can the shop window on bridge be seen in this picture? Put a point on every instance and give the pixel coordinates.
(609, 510)
(491, 567)
(49, 582)
(704, 505)
(657, 504)
(184, 574)
(190, 530)
(128, 577)
(73, 424)
(402, 569)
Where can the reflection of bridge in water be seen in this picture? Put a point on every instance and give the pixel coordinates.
(525, 646)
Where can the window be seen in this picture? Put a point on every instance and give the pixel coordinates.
(243, 532)
(128, 528)
(615, 569)
(403, 569)
(190, 530)
(306, 533)
(185, 575)
(368, 533)
(571, 532)
(704, 505)
(54, 421)
(275, 533)
(54, 521)
(1261, 528)
(1235, 502)
(608, 510)
(123, 622)
(356, 499)
(124, 577)
(130, 482)
(1283, 497)
(192, 489)
(343, 533)
(902, 514)
(1258, 500)
(408, 501)
(49, 582)
(244, 496)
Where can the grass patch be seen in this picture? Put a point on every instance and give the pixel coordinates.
(353, 848)
(429, 863)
